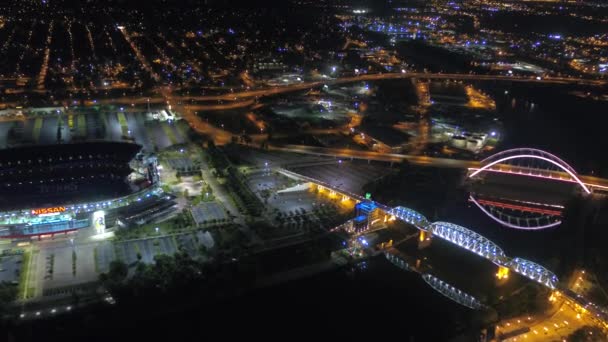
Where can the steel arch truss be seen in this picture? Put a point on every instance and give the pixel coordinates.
(534, 271)
(469, 240)
(452, 293)
(410, 216)
(529, 153)
(475, 243)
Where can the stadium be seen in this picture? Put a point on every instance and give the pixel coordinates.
(57, 189)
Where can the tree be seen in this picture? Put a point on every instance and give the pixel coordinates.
(403, 167)
(264, 144)
(75, 298)
(8, 293)
(588, 334)
(118, 271)
(246, 139)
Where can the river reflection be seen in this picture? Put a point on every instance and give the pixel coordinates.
(519, 214)
(434, 282)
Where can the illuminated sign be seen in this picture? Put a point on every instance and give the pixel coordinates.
(51, 210)
(368, 195)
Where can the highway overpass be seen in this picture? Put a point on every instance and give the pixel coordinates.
(591, 182)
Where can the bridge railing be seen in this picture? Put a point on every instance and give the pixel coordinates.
(410, 216)
(529, 153)
(534, 271)
(469, 240)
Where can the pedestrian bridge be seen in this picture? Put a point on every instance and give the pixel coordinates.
(476, 243)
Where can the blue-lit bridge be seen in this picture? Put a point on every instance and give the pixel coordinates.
(476, 243)
(458, 235)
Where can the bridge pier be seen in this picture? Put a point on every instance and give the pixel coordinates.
(503, 273)
(424, 239)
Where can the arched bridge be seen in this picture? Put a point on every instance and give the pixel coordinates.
(533, 271)
(530, 162)
(469, 240)
(476, 243)
(410, 216)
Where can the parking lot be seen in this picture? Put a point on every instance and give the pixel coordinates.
(290, 201)
(106, 125)
(147, 249)
(64, 266)
(10, 268)
(207, 211)
(193, 187)
(266, 179)
(270, 159)
(350, 176)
